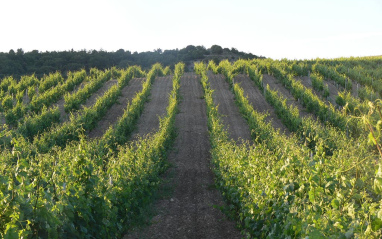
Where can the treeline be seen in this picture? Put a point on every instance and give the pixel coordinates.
(39, 63)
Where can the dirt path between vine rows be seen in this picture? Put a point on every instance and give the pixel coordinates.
(60, 103)
(155, 108)
(189, 212)
(259, 103)
(233, 121)
(334, 88)
(99, 93)
(89, 102)
(307, 82)
(117, 110)
(2, 119)
(274, 84)
(333, 91)
(354, 90)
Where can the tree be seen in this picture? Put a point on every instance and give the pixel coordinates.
(17, 63)
(20, 52)
(11, 54)
(158, 51)
(234, 50)
(216, 50)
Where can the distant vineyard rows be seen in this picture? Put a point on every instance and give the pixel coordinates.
(319, 181)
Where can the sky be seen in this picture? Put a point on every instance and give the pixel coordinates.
(293, 29)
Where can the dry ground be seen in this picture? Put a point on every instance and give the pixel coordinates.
(191, 211)
(117, 110)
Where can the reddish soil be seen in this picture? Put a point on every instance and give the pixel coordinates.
(155, 108)
(117, 110)
(233, 121)
(274, 84)
(259, 103)
(189, 212)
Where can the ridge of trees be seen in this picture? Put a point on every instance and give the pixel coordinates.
(39, 63)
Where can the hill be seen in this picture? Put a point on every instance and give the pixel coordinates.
(39, 63)
(269, 142)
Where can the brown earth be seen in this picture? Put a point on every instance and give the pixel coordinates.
(259, 103)
(155, 108)
(190, 211)
(307, 82)
(64, 116)
(333, 91)
(117, 110)
(274, 84)
(26, 97)
(334, 88)
(89, 102)
(233, 121)
(2, 119)
(99, 93)
(355, 89)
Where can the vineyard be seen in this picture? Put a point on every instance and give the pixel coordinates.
(253, 148)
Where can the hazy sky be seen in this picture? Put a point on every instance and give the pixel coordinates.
(293, 29)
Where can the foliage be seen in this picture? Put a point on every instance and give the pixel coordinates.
(40, 63)
(284, 190)
(66, 192)
(73, 101)
(216, 50)
(324, 180)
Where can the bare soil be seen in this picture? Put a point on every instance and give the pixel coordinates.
(89, 102)
(2, 119)
(274, 84)
(333, 91)
(259, 103)
(26, 98)
(233, 121)
(355, 89)
(191, 211)
(332, 87)
(155, 108)
(117, 110)
(64, 116)
(99, 93)
(307, 82)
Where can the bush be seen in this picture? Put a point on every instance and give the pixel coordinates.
(215, 49)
